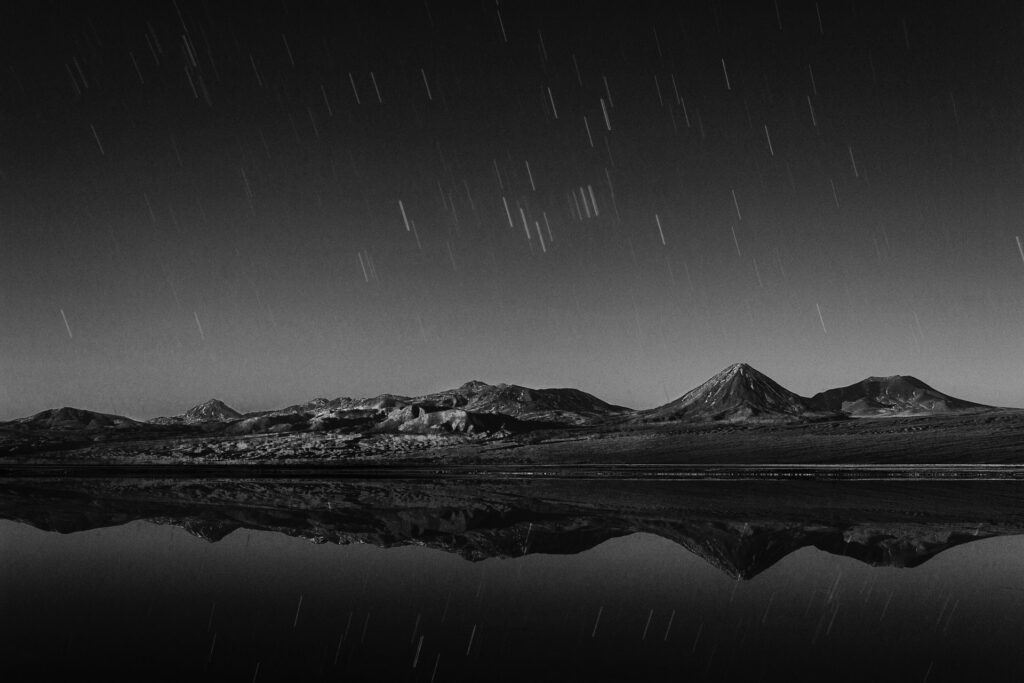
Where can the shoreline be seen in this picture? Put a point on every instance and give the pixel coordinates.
(652, 472)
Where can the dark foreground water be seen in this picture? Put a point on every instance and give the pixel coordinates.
(682, 583)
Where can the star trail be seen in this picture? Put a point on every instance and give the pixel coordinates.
(274, 201)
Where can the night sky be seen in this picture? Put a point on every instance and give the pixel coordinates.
(269, 203)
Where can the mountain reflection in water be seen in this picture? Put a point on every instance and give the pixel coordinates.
(600, 584)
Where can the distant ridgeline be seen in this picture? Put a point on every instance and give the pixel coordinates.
(737, 394)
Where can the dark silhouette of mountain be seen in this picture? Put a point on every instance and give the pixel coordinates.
(76, 419)
(737, 393)
(740, 529)
(745, 553)
(895, 395)
(64, 429)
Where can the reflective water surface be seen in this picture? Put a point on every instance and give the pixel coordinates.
(420, 580)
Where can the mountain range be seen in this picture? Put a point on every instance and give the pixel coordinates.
(739, 394)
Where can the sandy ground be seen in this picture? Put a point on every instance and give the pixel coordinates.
(995, 437)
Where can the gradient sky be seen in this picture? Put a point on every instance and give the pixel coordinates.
(213, 199)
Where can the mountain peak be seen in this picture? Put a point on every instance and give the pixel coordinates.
(892, 395)
(738, 392)
(892, 379)
(742, 369)
(75, 418)
(746, 375)
(213, 403)
(214, 410)
(567, 406)
(473, 385)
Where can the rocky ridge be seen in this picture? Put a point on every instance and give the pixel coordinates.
(738, 395)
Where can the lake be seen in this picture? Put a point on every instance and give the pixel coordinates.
(248, 579)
